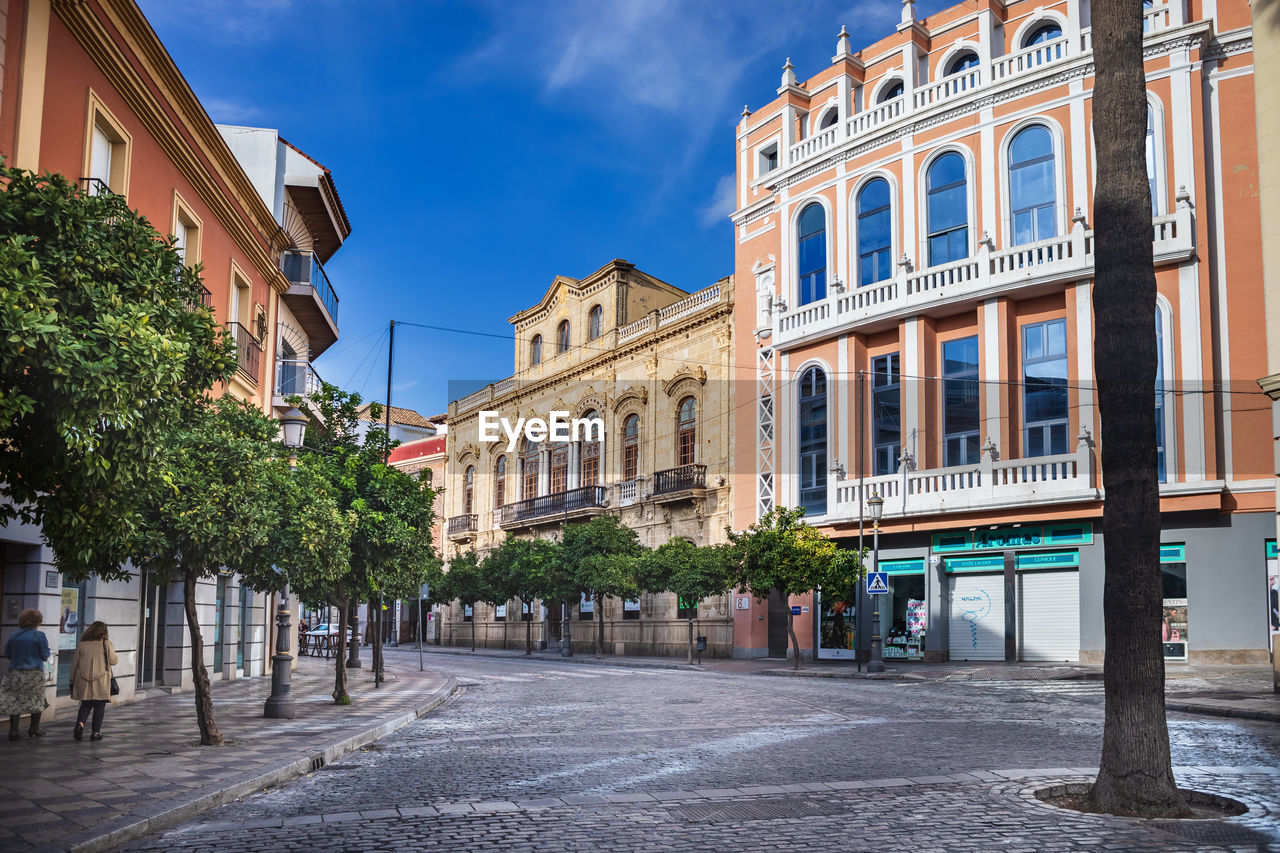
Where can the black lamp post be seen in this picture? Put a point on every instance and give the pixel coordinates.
(279, 705)
(875, 505)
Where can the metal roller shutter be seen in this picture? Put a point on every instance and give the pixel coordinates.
(977, 616)
(1049, 616)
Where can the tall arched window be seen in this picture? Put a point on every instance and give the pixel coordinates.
(1151, 160)
(948, 210)
(811, 252)
(593, 322)
(1161, 469)
(875, 232)
(813, 441)
(468, 490)
(687, 432)
(962, 62)
(562, 337)
(535, 349)
(500, 482)
(891, 91)
(589, 462)
(1032, 193)
(631, 447)
(1043, 33)
(529, 464)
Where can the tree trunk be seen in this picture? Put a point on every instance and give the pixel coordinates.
(209, 734)
(353, 618)
(340, 696)
(791, 632)
(600, 626)
(690, 659)
(1136, 774)
(378, 674)
(528, 630)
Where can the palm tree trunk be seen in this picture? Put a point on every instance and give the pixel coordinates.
(1136, 774)
(209, 734)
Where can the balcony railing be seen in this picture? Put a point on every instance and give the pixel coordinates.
(248, 351)
(990, 484)
(574, 500)
(1057, 259)
(305, 268)
(294, 376)
(461, 525)
(628, 492)
(94, 186)
(680, 479)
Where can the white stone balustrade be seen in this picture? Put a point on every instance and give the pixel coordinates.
(819, 142)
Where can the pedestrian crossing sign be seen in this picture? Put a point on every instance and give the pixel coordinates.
(877, 583)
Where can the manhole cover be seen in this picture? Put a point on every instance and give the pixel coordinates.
(726, 812)
(1214, 832)
(683, 701)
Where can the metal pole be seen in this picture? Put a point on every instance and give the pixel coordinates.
(280, 704)
(862, 498)
(876, 664)
(420, 632)
(386, 421)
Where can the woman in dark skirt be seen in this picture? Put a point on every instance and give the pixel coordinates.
(22, 688)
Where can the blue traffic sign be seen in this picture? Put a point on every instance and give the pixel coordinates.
(877, 583)
(795, 610)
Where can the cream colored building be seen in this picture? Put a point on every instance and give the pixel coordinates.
(653, 363)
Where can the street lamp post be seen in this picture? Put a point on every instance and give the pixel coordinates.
(875, 505)
(279, 705)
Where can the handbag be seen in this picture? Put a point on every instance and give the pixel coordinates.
(115, 686)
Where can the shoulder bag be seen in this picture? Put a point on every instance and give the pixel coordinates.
(115, 686)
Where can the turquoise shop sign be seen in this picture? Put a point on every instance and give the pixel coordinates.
(1049, 560)
(990, 563)
(1272, 553)
(1006, 538)
(1173, 553)
(902, 567)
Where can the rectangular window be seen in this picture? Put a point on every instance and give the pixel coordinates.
(219, 621)
(630, 460)
(686, 609)
(186, 231)
(106, 150)
(559, 469)
(468, 613)
(590, 464)
(886, 417)
(500, 613)
(631, 609)
(768, 159)
(1044, 388)
(530, 466)
(526, 613)
(586, 608)
(687, 448)
(960, 408)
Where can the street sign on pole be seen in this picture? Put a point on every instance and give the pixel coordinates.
(877, 583)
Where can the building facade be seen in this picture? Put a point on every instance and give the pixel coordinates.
(652, 362)
(90, 92)
(914, 262)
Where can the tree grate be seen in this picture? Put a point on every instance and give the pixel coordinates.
(741, 810)
(1215, 832)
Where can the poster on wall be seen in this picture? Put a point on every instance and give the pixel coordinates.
(69, 623)
(1173, 629)
(586, 605)
(917, 617)
(1273, 592)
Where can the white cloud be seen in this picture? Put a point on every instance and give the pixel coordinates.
(231, 110)
(724, 201)
(222, 21)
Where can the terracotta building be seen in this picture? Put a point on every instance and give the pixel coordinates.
(913, 260)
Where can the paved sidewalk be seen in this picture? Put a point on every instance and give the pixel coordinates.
(150, 772)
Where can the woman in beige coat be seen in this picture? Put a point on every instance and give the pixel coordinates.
(91, 678)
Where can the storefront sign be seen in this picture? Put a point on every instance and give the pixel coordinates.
(917, 619)
(902, 567)
(1006, 538)
(1174, 629)
(586, 605)
(1273, 589)
(1049, 560)
(795, 610)
(992, 563)
(69, 623)
(1173, 553)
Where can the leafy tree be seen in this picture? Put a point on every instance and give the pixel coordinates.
(693, 573)
(1136, 773)
(106, 343)
(464, 582)
(519, 569)
(601, 556)
(782, 554)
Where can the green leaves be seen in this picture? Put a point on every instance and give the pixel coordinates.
(780, 552)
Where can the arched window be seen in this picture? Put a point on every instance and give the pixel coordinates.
(529, 464)
(948, 210)
(811, 251)
(593, 322)
(1032, 194)
(875, 232)
(1151, 160)
(500, 482)
(1147, 6)
(1162, 473)
(687, 432)
(535, 350)
(631, 447)
(813, 441)
(562, 337)
(468, 490)
(589, 463)
(891, 91)
(1043, 33)
(829, 118)
(962, 62)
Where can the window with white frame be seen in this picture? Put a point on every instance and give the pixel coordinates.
(1044, 388)
(813, 441)
(1032, 186)
(960, 404)
(886, 413)
(875, 232)
(811, 253)
(768, 159)
(947, 209)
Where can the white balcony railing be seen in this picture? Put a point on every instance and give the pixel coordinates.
(628, 492)
(819, 142)
(989, 484)
(877, 115)
(946, 88)
(1058, 259)
(1029, 59)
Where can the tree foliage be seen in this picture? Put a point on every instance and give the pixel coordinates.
(693, 573)
(106, 343)
(598, 558)
(520, 569)
(464, 582)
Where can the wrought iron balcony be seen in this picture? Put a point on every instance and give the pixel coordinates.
(462, 526)
(248, 351)
(560, 503)
(680, 479)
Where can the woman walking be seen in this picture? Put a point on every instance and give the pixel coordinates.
(22, 688)
(91, 678)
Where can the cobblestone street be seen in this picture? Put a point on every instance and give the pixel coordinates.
(539, 756)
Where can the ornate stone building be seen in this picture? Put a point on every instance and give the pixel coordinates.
(652, 362)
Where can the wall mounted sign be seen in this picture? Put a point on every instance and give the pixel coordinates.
(1007, 538)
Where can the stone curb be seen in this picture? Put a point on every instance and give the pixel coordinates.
(1216, 711)
(817, 673)
(128, 827)
(607, 660)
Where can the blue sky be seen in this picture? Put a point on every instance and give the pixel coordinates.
(482, 148)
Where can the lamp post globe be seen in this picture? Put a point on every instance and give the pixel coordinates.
(875, 506)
